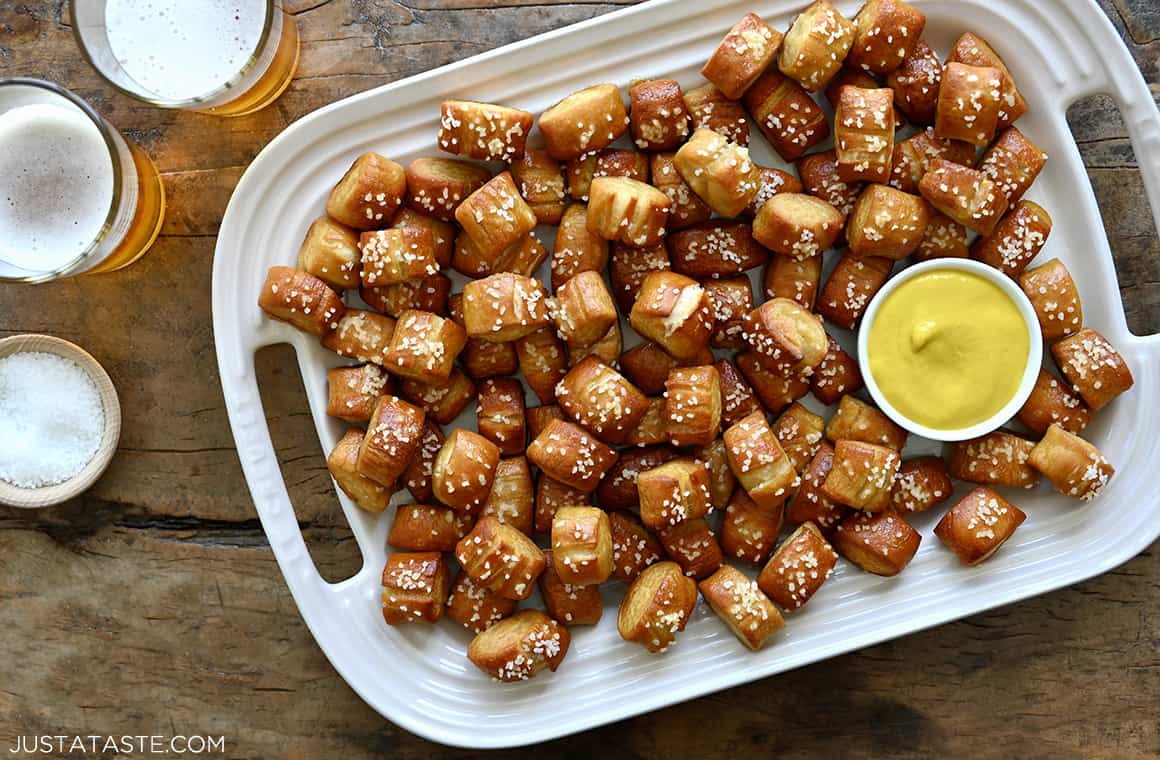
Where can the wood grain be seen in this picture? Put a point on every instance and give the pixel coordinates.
(152, 604)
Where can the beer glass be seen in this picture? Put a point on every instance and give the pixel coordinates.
(75, 196)
(226, 57)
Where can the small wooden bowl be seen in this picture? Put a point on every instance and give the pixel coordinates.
(32, 498)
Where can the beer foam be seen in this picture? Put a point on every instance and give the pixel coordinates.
(56, 185)
(177, 49)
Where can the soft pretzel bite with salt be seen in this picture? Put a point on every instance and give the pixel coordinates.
(657, 606)
(540, 180)
(693, 546)
(415, 586)
(996, 459)
(570, 454)
(916, 84)
(1055, 297)
(427, 528)
(543, 360)
(913, 157)
(762, 468)
(886, 32)
(500, 558)
(583, 309)
(584, 122)
(657, 115)
(352, 392)
(786, 114)
(474, 607)
(722, 482)
(737, 600)
(647, 366)
(495, 217)
(921, 483)
(797, 225)
(964, 194)
(576, 249)
(301, 300)
(713, 249)
(686, 208)
(943, 238)
(968, 103)
(398, 254)
(856, 420)
(550, 496)
(567, 602)
(1095, 369)
(581, 545)
(428, 294)
(719, 171)
(361, 335)
(798, 568)
(369, 194)
(424, 346)
(628, 211)
(673, 311)
(417, 475)
(442, 402)
(538, 417)
(601, 400)
(851, 285)
(1012, 163)
(617, 490)
(793, 278)
(392, 438)
(1072, 465)
(504, 307)
(607, 349)
(816, 45)
(809, 503)
(653, 428)
(886, 222)
(737, 398)
(973, 50)
(436, 186)
(1053, 402)
(709, 109)
(864, 133)
(800, 433)
(771, 182)
(747, 50)
(513, 496)
(1017, 239)
(499, 412)
(836, 376)
(627, 268)
(749, 532)
(464, 470)
(484, 131)
(786, 338)
(343, 466)
(518, 647)
(978, 524)
(673, 492)
(862, 475)
(732, 299)
(819, 176)
(693, 405)
(330, 252)
(774, 391)
(633, 547)
(881, 543)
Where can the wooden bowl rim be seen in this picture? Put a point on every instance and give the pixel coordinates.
(44, 496)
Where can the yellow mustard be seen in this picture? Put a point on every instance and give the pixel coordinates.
(948, 349)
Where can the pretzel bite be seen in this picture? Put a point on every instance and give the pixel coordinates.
(693, 405)
(504, 307)
(578, 172)
(483, 130)
(693, 546)
(518, 647)
(601, 400)
(538, 417)
(435, 186)
(647, 366)
(719, 171)
(709, 109)
(916, 84)
(523, 258)
(748, 532)
(737, 398)
(633, 547)
(415, 586)
(330, 253)
(423, 347)
(442, 403)
(397, 255)
(742, 606)
(722, 483)
(500, 414)
(816, 45)
(301, 300)
(584, 122)
(799, 568)
(474, 607)
(786, 338)
(809, 502)
(944, 238)
(775, 392)
(576, 249)
(764, 470)
(675, 312)
(920, 483)
(996, 459)
(483, 359)
(1052, 402)
(797, 225)
(607, 349)
(1094, 369)
(978, 524)
(583, 309)
(887, 223)
(786, 114)
(851, 285)
(581, 545)
(353, 391)
(1074, 466)
(1017, 239)
(428, 294)
(968, 103)
(442, 233)
(463, 471)
(569, 454)
(881, 543)
(856, 420)
(470, 260)
(657, 606)
(343, 466)
(913, 157)
(619, 162)
(974, 51)
(1053, 293)
(550, 496)
(500, 558)
(627, 210)
(427, 528)
(361, 335)
(628, 267)
(495, 217)
(541, 184)
(653, 428)
(617, 490)
(862, 475)
(837, 375)
(657, 115)
(793, 278)
(864, 133)
(1012, 163)
(799, 432)
(392, 438)
(686, 208)
(417, 475)
(848, 77)
(567, 602)
(771, 182)
(673, 492)
(886, 32)
(369, 194)
(543, 361)
(716, 248)
(732, 299)
(746, 51)
(964, 194)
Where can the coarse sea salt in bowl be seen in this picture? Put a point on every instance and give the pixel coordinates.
(61, 420)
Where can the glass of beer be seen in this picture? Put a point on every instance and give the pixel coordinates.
(227, 57)
(75, 196)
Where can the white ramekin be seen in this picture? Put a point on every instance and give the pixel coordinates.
(1030, 370)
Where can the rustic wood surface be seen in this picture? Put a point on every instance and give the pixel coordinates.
(152, 605)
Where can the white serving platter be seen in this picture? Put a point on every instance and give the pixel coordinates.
(418, 676)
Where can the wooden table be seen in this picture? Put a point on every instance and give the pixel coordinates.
(153, 606)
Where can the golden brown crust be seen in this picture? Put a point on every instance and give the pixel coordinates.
(809, 503)
(737, 398)
(583, 309)
(762, 468)
(1017, 239)
(786, 114)
(742, 606)
(464, 469)
(819, 175)
(748, 532)
(485, 131)
(693, 546)
(343, 466)
(361, 335)
(771, 182)
(793, 278)
(862, 475)
(499, 413)
(424, 346)
(887, 222)
(816, 45)
(974, 51)
(1055, 297)
(746, 51)
(428, 294)
(538, 417)
(687, 207)
(566, 602)
(786, 338)
(968, 103)
(657, 606)
(444, 402)
(617, 489)
(732, 299)
(301, 300)
(693, 405)
(417, 475)
(601, 400)
(495, 216)
(1072, 465)
(581, 545)
(864, 133)
(657, 117)
(964, 194)
(837, 375)
(944, 238)
(716, 248)
(393, 436)
(1093, 367)
(398, 254)
(978, 524)
(921, 483)
(857, 420)
(996, 459)
(653, 428)
(627, 210)
(474, 607)
(647, 366)
(543, 362)
(887, 31)
(427, 528)
(1052, 402)
(436, 186)
(576, 249)
(722, 482)
(500, 558)
(913, 157)
(504, 307)
(330, 253)
(801, 565)
(916, 84)
(673, 492)
(483, 359)
(518, 647)
(607, 349)
(709, 109)
(799, 432)
(550, 496)
(369, 194)
(415, 586)
(881, 543)
(719, 171)
(673, 311)
(849, 77)
(584, 122)
(352, 392)
(1012, 163)
(633, 547)
(628, 267)
(797, 225)
(570, 454)
(442, 233)
(541, 183)
(775, 392)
